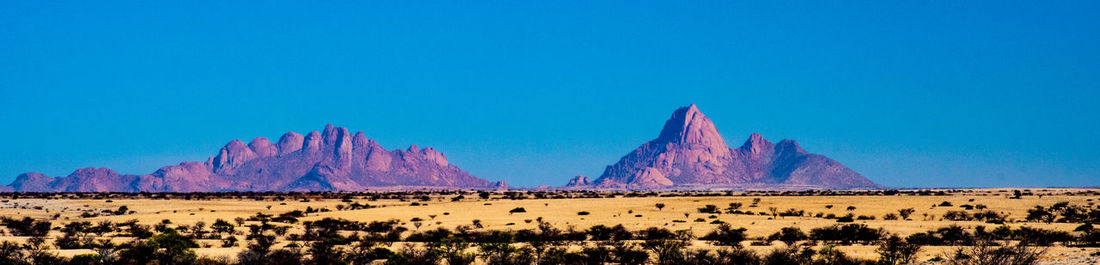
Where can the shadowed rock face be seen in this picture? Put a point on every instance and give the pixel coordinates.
(332, 160)
(689, 153)
(579, 181)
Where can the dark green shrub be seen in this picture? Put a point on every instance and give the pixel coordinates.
(725, 235)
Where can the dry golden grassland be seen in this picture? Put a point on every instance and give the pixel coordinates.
(633, 212)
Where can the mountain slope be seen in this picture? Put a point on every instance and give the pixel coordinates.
(331, 160)
(690, 153)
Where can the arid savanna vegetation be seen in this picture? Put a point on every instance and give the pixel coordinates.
(981, 226)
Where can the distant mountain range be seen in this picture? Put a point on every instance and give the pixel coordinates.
(688, 154)
(331, 160)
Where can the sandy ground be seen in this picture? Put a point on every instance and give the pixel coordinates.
(634, 213)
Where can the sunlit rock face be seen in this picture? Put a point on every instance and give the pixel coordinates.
(690, 153)
(331, 160)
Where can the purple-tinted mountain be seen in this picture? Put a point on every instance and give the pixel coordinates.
(690, 154)
(332, 160)
(579, 181)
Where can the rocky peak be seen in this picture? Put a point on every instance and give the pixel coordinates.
(360, 141)
(789, 146)
(690, 153)
(342, 140)
(92, 171)
(262, 147)
(232, 155)
(500, 185)
(334, 160)
(756, 145)
(32, 181)
(87, 177)
(435, 156)
(579, 180)
(689, 126)
(331, 134)
(31, 175)
(290, 142)
(313, 141)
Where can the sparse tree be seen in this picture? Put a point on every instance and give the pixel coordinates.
(895, 250)
(453, 250)
(669, 250)
(789, 235)
(905, 213)
(725, 235)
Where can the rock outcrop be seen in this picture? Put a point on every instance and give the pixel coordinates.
(331, 160)
(579, 181)
(689, 153)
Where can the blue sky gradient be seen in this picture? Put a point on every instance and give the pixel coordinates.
(911, 94)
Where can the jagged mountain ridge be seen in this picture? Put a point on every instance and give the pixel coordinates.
(689, 153)
(331, 160)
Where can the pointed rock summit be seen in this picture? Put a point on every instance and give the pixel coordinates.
(689, 126)
(689, 153)
(331, 160)
(756, 144)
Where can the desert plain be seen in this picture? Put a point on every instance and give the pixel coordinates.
(761, 214)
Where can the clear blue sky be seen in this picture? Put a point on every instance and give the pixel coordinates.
(918, 93)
